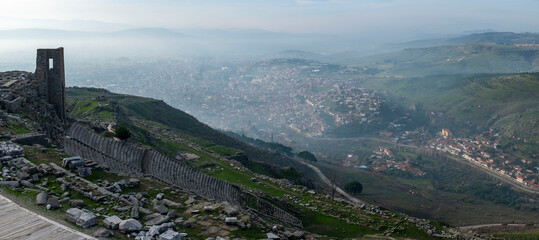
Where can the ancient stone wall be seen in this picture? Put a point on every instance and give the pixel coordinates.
(268, 209)
(31, 139)
(174, 172)
(129, 155)
(122, 157)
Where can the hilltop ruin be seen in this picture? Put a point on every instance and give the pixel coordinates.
(40, 96)
(43, 93)
(50, 74)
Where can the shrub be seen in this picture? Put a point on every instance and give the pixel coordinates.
(123, 133)
(354, 187)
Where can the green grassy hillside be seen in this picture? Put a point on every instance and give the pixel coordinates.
(508, 102)
(455, 59)
(106, 106)
(155, 124)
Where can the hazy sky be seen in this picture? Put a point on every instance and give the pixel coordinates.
(312, 16)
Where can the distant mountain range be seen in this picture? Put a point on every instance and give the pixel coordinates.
(485, 37)
(420, 48)
(466, 58)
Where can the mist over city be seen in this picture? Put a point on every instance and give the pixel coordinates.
(290, 119)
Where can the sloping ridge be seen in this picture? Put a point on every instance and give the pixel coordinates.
(123, 157)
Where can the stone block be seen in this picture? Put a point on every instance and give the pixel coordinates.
(67, 161)
(170, 203)
(133, 182)
(299, 234)
(112, 222)
(76, 203)
(135, 211)
(231, 210)
(151, 216)
(160, 196)
(13, 184)
(102, 233)
(86, 220)
(130, 225)
(73, 214)
(191, 200)
(53, 203)
(157, 220)
(41, 198)
(272, 236)
(170, 235)
(161, 208)
(231, 220)
(23, 175)
(84, 171)
(172, 214)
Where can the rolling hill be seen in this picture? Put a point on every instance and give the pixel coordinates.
(470, 103)
(455, 59)
(489, 36)
(127, 107)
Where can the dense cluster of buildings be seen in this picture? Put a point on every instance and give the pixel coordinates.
(308, 97)
(487, 154)
(383, 159)
(304, 96)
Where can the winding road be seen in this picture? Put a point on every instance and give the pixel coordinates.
(330, 184)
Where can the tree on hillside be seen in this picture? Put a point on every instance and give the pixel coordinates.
(123, 133)
(333, 184)
(354, 187)
(307, 156)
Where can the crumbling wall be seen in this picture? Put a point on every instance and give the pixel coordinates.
(31, 139)
(264, 207)
(174, 172)
(75, 147)
(123, 157)
(120, 157)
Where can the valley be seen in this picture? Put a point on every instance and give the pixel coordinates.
(349, 114)
(439, 136)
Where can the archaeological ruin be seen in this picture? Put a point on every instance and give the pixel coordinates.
(44, 94)
(127, 158)
(50, 71)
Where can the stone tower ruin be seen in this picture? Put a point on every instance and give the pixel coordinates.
(51, 77)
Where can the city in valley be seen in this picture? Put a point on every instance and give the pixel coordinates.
(297, 119)
(276, 99)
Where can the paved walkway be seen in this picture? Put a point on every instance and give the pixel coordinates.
(19, 223)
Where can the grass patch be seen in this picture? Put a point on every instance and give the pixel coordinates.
(50, 156)
(519, 235)
(15, 127)
(329, 226)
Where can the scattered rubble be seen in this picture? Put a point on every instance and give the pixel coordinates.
(161, 218)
